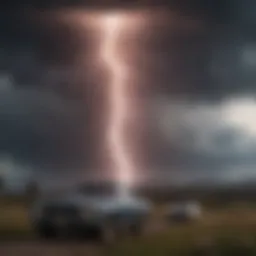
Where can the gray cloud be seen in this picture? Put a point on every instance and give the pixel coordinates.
(202, 138)
(39, 128)
(41, 124)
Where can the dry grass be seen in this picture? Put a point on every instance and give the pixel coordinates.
(227, 231)
(14, 221)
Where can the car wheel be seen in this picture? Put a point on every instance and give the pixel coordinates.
(87, 233)
(107, 235)
(136, 229)
(47, 231)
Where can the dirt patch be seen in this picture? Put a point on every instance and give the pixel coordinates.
(39, 248)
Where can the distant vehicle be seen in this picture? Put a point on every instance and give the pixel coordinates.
(184, 212)
(103, 217)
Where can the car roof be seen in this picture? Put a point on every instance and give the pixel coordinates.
(103, 202)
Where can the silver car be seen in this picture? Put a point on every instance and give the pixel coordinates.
(184, 212)
(102, 217)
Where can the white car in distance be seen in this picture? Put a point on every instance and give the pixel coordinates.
(184, 212)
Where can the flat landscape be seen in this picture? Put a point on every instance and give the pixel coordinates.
(229, 230)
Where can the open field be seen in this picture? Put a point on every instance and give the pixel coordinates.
(224, 231)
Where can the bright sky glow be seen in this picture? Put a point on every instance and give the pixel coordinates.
(112, 28)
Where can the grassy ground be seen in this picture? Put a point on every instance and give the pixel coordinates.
(226, 231)
(14, 221)
(231, 231)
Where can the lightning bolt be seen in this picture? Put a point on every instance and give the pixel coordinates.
(112, 27)
(120, 105)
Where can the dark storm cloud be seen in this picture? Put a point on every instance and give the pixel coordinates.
(18, 52)
(208, 62)
(185, 4)
(205, 161)
(46, 117)
(230, 71)
(39, 128)
(205, 64)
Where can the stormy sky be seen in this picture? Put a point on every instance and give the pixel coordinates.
(194, 70)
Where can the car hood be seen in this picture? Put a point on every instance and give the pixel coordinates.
(104, 204)
(121, 204)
